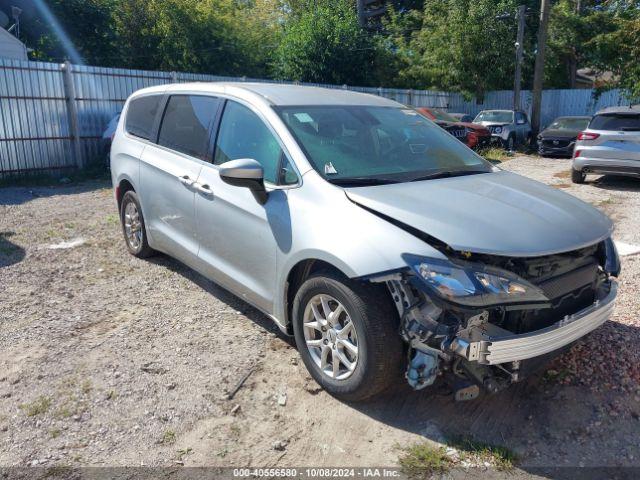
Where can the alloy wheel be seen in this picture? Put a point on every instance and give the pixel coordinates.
(330, 336)
(132, 225)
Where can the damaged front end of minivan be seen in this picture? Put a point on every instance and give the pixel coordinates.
(484, 322)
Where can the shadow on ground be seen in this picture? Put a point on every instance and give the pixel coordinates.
(220, 293)
(619, 183)
(20, 194)
(10, 252)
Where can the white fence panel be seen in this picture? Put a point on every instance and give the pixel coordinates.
(43, 122)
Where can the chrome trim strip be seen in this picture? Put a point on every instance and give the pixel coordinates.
(527, 345)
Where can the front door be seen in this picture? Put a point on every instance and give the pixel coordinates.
(238, 235)
(169, 170)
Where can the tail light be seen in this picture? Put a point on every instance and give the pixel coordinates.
(576, 153)
(587, 136)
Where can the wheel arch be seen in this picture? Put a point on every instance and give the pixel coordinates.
(297, 275)
(124, 186)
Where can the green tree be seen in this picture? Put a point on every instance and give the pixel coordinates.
(214, 36)
(457, 45)
(325, 44)
(88, 25)
(618, 51)
(572, 27)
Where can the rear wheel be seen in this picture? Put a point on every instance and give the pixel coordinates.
(577, 176)
(133, 227)
(346, 333)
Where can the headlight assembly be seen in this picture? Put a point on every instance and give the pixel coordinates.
(473, 285)
(497, 130)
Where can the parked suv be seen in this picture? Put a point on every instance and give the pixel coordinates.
(610, 145)
(473, 136)
(509, 128)
(375, 238)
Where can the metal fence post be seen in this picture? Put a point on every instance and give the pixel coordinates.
(174, 77)
(72, 113)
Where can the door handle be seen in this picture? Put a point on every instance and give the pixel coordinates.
(203, 189)
(186, 180)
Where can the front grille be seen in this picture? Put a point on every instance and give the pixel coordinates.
(457, 132)
(556, 143)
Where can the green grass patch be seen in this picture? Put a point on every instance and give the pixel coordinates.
(169, 437)
(476, 452)
(495, 155)
(112, 219)
(424, 459)
(555, 376)
(183, 452)
(39, 406)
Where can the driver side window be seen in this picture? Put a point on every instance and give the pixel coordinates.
(243, 134)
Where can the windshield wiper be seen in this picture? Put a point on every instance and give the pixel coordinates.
(630, 129)
(358, 181)
(447, 173)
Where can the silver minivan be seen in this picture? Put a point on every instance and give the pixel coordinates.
(382, 243)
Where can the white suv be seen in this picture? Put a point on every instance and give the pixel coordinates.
(610, 144)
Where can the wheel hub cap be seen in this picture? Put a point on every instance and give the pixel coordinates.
(331, 337)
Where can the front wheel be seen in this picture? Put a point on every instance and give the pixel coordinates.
(510, 144)
(346, 333)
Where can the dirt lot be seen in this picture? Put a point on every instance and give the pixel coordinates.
(110, 360)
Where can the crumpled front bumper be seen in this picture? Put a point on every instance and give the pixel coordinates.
(511, 348)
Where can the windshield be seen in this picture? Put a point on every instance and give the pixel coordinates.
(628, 122)
(376, 143)
(495, 116)
(569, 124)
(442, 116)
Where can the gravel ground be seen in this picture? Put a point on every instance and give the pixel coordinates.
(110, 360)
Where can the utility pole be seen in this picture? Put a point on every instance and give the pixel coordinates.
(538, 73)
(521, 17)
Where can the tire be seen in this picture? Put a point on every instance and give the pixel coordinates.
(577, 176)
(379, 361)
(510, 144)
(139, 247)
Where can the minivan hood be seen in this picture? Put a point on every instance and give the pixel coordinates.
(498, 213)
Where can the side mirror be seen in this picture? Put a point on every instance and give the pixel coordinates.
(246, 173)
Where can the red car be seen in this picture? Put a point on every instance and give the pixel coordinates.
(471, 134)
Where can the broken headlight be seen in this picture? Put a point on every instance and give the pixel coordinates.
(473, 285)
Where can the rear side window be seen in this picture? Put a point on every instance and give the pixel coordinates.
(141, 115)
(615, 122)
(186, 122)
